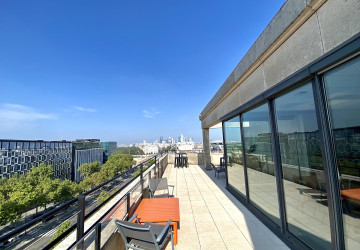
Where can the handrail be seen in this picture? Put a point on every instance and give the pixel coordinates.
(106, 213)
(33, 222)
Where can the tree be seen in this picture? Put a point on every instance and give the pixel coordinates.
(117, 163)
(137, 172)
(65, 190)
(151, 162)
(102, 197)
(9, 211)
(62, 229)
(88, 169)
(130, 150)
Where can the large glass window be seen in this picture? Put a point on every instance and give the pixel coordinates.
(234, 156)
(259, 162)
(304, 181)
(343, 95)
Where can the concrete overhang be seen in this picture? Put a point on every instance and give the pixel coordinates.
(292, 15)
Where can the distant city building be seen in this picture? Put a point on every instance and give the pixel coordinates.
(150, 149)
(185, 146)
(161, 139)
(20, 156)
(83, 156)
(110, 147)
(86, 151)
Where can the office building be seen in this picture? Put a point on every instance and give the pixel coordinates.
(20, 156)
(110, 147)
(86, 151)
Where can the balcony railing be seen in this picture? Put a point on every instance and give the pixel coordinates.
(90, 219)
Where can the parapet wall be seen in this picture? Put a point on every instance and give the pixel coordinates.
(196, 158)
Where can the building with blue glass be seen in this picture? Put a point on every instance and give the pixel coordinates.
(110, 148)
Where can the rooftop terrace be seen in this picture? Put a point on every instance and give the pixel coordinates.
(211, 218)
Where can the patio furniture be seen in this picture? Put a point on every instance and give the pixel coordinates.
(181, 160)
(160, 184)
(149, 235)
(222, 161)
(218, 170)
(351, 198)
(160, 211)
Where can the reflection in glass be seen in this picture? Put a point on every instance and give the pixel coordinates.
(259, 162)
(343, 94)
(304, 182)
(235, 168)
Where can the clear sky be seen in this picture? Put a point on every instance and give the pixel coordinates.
(123, 71)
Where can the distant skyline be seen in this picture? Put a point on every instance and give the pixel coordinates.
(123, 71)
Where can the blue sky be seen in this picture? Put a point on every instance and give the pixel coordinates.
(119, 70)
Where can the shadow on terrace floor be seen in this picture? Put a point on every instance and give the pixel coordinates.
(211, 218)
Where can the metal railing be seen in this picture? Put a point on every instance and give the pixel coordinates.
(79, 205)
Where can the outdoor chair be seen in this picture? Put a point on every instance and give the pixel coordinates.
(147, 236)
(218, 170)
(160, 184)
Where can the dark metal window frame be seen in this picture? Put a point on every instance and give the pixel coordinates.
(313, 73)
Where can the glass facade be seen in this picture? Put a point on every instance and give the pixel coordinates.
(259, 162)
(314, 148)
(19, 157)
(301, 161)
(234, 155)
(343, 95)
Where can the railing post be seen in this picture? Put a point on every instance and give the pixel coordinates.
(97, 236)
(128, 205)
(158, 169)
(141, 177)
(80, 221)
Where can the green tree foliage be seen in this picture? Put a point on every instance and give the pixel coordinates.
(130, 150)
(137, 172)
(103, 196)
(9, 211)
(151, 162)
(21, 193)
(88, 169)
(38, 188)
(65, 191)
(116, 163)
(65, 226)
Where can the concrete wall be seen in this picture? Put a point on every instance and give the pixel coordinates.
(313, 28)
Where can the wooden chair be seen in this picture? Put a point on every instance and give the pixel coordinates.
(147, 236)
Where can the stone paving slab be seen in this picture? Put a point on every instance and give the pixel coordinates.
(211, 218)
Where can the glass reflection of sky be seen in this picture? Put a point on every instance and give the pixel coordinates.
(232, 130)
(295, 111)
(343, 92)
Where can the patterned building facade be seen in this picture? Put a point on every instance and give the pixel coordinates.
(20, 156)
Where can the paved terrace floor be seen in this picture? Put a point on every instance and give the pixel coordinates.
(211, 218)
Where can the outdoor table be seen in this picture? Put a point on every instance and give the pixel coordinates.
(352, 195)
(160, 210)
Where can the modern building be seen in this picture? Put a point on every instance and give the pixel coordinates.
(20, 156)
(86, 151)
(149, 148)
(110, 147)
(291, 125)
